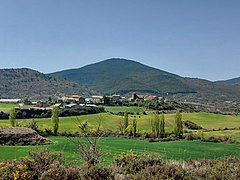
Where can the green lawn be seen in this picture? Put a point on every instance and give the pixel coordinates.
(175, 150)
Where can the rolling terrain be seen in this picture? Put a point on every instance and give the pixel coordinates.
(121, 76)
(112, 146)
(21, 83)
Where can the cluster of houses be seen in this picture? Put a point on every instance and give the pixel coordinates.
(140, 98)
(62, 102)
(76, 100)
(114, 98)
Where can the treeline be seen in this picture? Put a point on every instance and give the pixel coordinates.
(159, 105)
(164, 104)
(42, 113)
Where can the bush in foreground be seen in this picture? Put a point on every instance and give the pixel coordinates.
(45, 165)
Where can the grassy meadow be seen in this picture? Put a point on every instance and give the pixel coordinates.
(6, 107)
(110, 147)
(235, 134)
(132, 109)
(111, 122)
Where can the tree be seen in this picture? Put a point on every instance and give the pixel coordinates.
(55, 120)
(12, 117)
(121, 127)
(157, 123)
(126, 120)
(153, 126)
(134, 126)
(178, 126)
(89, 148)
(162, 125)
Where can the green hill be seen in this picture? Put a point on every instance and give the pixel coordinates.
(122, 76)
(20, 83)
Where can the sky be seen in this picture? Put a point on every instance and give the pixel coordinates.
(191, 38)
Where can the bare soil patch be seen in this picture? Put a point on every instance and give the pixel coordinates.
(21, 136)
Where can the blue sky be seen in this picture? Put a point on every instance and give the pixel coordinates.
(192, 38)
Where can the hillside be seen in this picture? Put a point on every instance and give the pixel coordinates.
(120, 76)
(20, 83)
(232, 81)
(212, 96)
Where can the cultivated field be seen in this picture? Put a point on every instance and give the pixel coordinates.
(132, 109)
(111, 122)
(5, 107)
(178, 150)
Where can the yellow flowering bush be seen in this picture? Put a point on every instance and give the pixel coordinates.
(15, 170)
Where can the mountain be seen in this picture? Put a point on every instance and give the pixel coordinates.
(232, 81)
(213, 96)
(121, 76)
(20, 83)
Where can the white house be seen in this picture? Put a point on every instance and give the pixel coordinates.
(94, 99)
(12, 101)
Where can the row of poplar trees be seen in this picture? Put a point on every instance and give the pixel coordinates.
(158, 125)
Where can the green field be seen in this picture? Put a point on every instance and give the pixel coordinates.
(116, 109)
(235, 134)
(213, 121)
(111, 122)
(175, 150)
(5, 107)
(179, 150)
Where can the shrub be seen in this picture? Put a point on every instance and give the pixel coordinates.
(160, 172)
(191, 125)
(48, 131)
(189, 137)
(96, 173)
(33, 124)
(228, 168)
(41, 162)
(13, 170)
(131, 163)
(43, 165)
(3, 115)
(61, 173)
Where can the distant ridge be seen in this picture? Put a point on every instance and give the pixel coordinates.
(24, 82)
(232, 81)
(121, 76)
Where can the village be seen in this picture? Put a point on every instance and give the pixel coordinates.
(76, 101)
